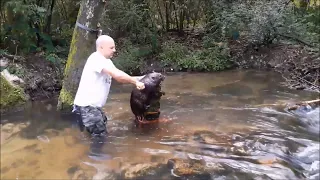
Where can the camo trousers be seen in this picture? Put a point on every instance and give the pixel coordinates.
(92, 118)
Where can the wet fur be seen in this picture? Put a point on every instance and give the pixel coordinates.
(140, 99)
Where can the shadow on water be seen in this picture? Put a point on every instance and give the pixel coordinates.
(39, 116)
(222, 128)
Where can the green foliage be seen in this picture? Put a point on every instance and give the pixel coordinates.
(210, 58)
(29, 26)
(144, 24)
(262, 22)
(130, 19)
(22, 29)
(305, 25)
(10, 96)
(172, 53)
(53, 58)
(3, 51)
(16, 70)
(130, 58)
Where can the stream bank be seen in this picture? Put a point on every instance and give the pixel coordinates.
(41, 78)
(298, 64)
(34, 74)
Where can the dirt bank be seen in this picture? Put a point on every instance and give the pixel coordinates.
(38, 77)
(298, 64)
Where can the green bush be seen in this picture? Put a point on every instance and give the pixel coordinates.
(131, 57)
(209, 58)
(263, 22)
(172, 53)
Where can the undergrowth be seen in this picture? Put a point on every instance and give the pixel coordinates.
(173, 55)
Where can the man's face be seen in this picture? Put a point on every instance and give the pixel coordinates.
(109, 49)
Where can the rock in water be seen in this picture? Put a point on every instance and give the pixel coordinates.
(145, 104)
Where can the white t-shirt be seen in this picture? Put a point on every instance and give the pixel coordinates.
(94, 86)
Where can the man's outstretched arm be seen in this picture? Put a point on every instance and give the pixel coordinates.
(138, 77)
(123, 77)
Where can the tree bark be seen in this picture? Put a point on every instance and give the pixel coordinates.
(181, 20)
(175, 14)
(82, 45)
(167, 8)
(161, 16)
(49, 18)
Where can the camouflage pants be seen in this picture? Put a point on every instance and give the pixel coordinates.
(92, 118)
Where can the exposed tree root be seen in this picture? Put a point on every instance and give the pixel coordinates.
(311, 103)
(302, 73)
(294, 106)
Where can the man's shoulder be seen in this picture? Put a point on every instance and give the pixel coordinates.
(109, 61)
(93, 56)
(97, 61)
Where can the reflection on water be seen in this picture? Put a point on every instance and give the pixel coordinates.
(219, 131)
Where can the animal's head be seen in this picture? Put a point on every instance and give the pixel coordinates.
(154, 78)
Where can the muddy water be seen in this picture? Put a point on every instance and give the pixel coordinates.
(224, 120)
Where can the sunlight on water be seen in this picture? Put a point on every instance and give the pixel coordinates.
(222, 128)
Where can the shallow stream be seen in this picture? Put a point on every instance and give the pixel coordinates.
(224, 126)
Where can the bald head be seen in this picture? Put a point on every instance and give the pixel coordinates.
(105, 45)
(103, 39)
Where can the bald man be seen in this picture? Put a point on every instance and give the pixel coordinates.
(95, 84)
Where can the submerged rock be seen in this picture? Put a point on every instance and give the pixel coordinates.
(194, 169)
(142, 170)
(76, 173)
(79, 175)
(93, 171)
(209, 137)
(8, 130)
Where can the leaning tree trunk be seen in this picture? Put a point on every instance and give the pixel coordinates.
(82, 45)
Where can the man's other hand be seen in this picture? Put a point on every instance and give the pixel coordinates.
(140, 85)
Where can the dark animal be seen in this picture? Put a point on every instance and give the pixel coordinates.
(146, 101)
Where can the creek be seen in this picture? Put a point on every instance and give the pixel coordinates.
(222, 128)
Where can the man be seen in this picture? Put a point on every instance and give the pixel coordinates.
(95, 84)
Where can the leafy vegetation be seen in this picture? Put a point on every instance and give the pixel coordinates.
(10, 96)
(193, 35)
(35, 26)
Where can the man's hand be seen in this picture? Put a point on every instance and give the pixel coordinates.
(140, 85)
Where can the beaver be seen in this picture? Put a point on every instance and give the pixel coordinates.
(145, 103)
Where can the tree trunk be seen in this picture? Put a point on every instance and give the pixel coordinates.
(176, 15)
(167, 7)
(161, 16)
(63, 10)
(49, 18)
(181, 20)
(82, 45)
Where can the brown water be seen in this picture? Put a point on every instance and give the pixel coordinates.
(213, 115)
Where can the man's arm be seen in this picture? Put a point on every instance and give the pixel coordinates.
(123, 77)
(138, 77)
